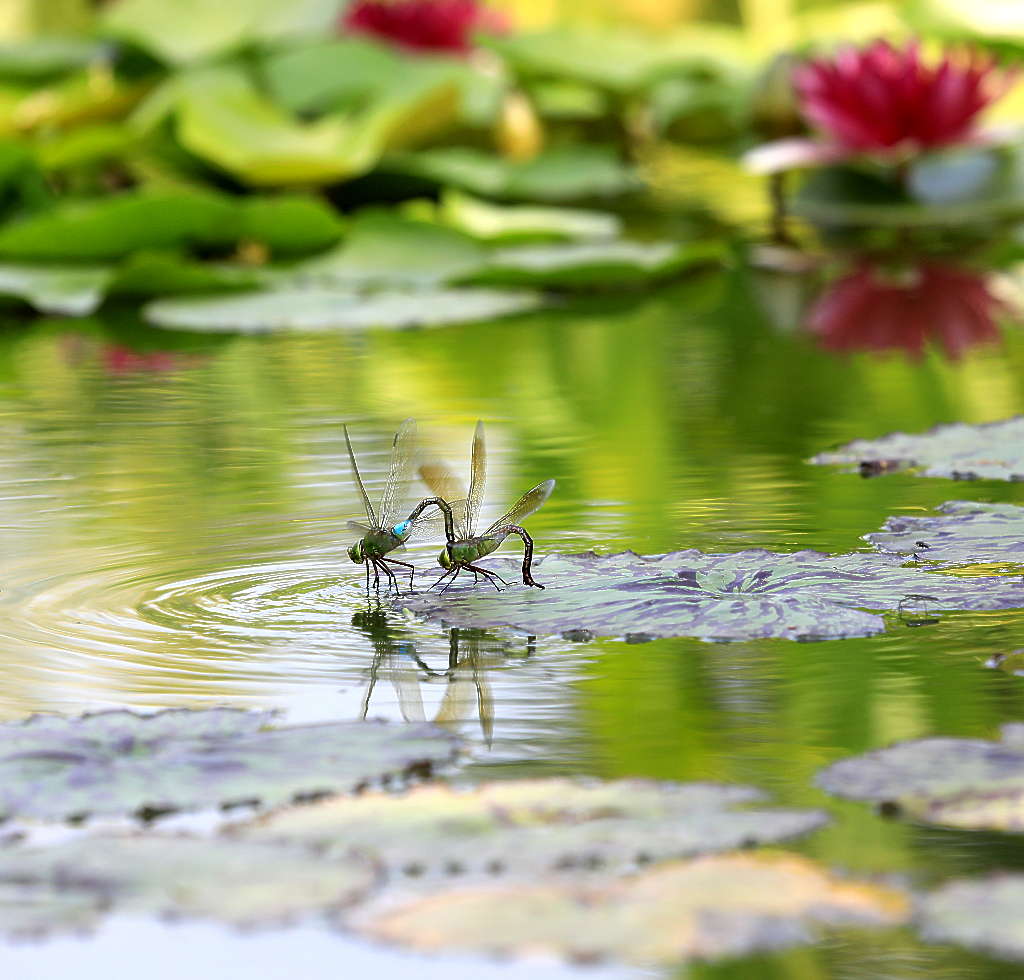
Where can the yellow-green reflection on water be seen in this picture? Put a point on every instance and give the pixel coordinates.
(173, 510)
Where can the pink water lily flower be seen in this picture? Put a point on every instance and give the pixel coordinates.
(424, 25)
(874, 308)
(887, 102)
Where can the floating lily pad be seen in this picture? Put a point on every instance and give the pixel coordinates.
(313, 309)
(957, 782)
(239, 882)
(66, 290)
(30, 909)
(965, 531)
(708, 908)
(593, 264)
(117, 762)
(742, 596)
(150, 273)
(538, 825)
(991, 452)
(569, 173)
(982, 914)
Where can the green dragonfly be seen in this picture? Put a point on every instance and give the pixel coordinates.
(383, 534)
(466, 546)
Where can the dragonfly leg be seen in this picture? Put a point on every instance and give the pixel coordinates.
(450, 571)
(454, 574)
(487, 574)
(527, 551)
(367, 564)
(404, 564)
(376, 574)
(392, 581)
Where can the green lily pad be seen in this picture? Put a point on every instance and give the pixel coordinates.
(42, 58)
(114, 227)
(67, 290)
(191, 30)
(314, 309)
(30, 909)
(993, 451)
(386, 249)
(956, 782)
(118, 762)
(150, 273)
(965, 532)
(508, 224)
(588, 265)
(742, 596)
(569, 173)
(532, 826)
(982, 914)
(708, 908)
(240, 882)
(289, 224)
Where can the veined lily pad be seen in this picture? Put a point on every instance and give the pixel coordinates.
(535, 826)
(957, 782)
(118, 762)
(982, 914)
(592, 264)
(742, 596)
(991, 452)
(709, 908)
(66, 290)
(239, 882)
(965, 532)
(313, 309)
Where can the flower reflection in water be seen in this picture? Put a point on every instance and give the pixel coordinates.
(880, 308)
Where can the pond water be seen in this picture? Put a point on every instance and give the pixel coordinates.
(173, 508)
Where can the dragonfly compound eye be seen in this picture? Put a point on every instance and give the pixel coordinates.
(356, 553)
(445, 558)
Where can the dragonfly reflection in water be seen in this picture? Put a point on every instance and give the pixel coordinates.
(470, 653)
(467, 547)
(384, 534)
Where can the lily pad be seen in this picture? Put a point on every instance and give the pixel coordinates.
(533, 826)
(747, 595)
(982, 914)
(240, 882)
(593, 264)
(312, 309)
(957, 782)
(118, 762)
(965, 532)
(66, 290)
(708, 908)
(994, 451)
(570, 173)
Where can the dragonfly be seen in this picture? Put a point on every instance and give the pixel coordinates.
(466, 546)
(383, 533)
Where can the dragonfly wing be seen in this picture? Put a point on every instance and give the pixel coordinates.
(359, 480)
(445, 484)
(403, 449)
(477, 479)
(361, 529)
(529, 503)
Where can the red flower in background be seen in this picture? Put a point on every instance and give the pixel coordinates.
(877, 309)
(425, 25)
(881, 98)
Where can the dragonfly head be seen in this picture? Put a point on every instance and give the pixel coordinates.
(356, 553)
(445, 558)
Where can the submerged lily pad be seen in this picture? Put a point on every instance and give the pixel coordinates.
(537, 825)
(711, 907)
(994, 451)
(117, 762)
(957, 782)
(239, 882)
(982, 914)
(965, 532)
(313, 309)
(742, 596)
(593, 264)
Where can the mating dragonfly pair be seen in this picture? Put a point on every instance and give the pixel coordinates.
(383, 535)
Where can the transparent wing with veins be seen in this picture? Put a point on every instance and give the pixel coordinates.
(529, 503)
(477, 479)
(359, 480)
(403, 450)
(445, 484)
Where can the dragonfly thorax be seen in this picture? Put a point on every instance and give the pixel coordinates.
(469, 550)
(375, 545)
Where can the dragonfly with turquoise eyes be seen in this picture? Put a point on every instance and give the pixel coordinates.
(383, 534)
(467, 547)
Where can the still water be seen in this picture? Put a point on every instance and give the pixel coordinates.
(172, 517)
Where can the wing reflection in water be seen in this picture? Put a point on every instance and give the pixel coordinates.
(466, 691)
